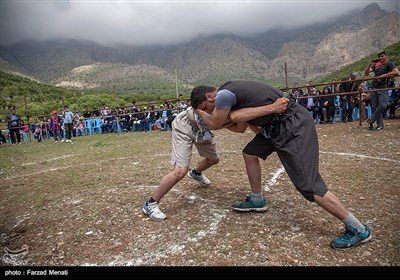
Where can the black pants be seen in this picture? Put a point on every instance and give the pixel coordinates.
(3, 139)
(68, 130)
(15, 132)
(296, 142)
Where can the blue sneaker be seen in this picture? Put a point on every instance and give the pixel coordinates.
(249, 205)
(152, 210)
(351, 238)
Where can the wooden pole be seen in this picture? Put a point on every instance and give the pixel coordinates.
(27, 118)
(286, 77)
(176, 84)
(359, 108)
(62, 100)
(116, 110)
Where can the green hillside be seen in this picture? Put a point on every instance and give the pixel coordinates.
(35, 99)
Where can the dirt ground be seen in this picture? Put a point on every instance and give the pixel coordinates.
(80, 204)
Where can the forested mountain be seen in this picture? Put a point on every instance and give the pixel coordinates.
(310, 53)
(43, 98)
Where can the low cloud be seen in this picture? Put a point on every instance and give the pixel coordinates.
(160, 22)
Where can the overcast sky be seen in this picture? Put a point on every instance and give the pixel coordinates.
(149, 22)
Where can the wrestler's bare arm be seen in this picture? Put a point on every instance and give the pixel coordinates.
(246, 114)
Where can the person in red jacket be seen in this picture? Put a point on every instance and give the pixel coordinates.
(383, 69)
(55, 126)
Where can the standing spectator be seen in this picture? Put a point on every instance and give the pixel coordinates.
(347, 101)
(365, 100)
(310, 86)
(45, 127)
(296, 90)
(134, 107)
(68, 117)
(77, 116)
(96, 112)
(334, 86)
(13, 123)
(55, 126)
(383, 69)
(86, 113)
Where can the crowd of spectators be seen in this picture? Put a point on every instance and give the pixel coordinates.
(65, 125)
(326, 104)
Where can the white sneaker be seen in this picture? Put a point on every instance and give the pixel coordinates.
(201, 179)
(151, 209)
(63, 140)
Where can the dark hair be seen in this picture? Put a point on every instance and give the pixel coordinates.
(198, 95)
(381, 52)
(328, 89)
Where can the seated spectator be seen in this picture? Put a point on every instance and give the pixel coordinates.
(38, 133)
(327, 105)
(80, 127)
(302, 101)
(171, 118)
(162, 118)
(313, 102)
(149, 118)
(24, 130)
(23, 127)
(394, 98)
(365, 100)
(136, 120)
(2, 138)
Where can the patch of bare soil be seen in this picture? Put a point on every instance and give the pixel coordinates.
(81, 204)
